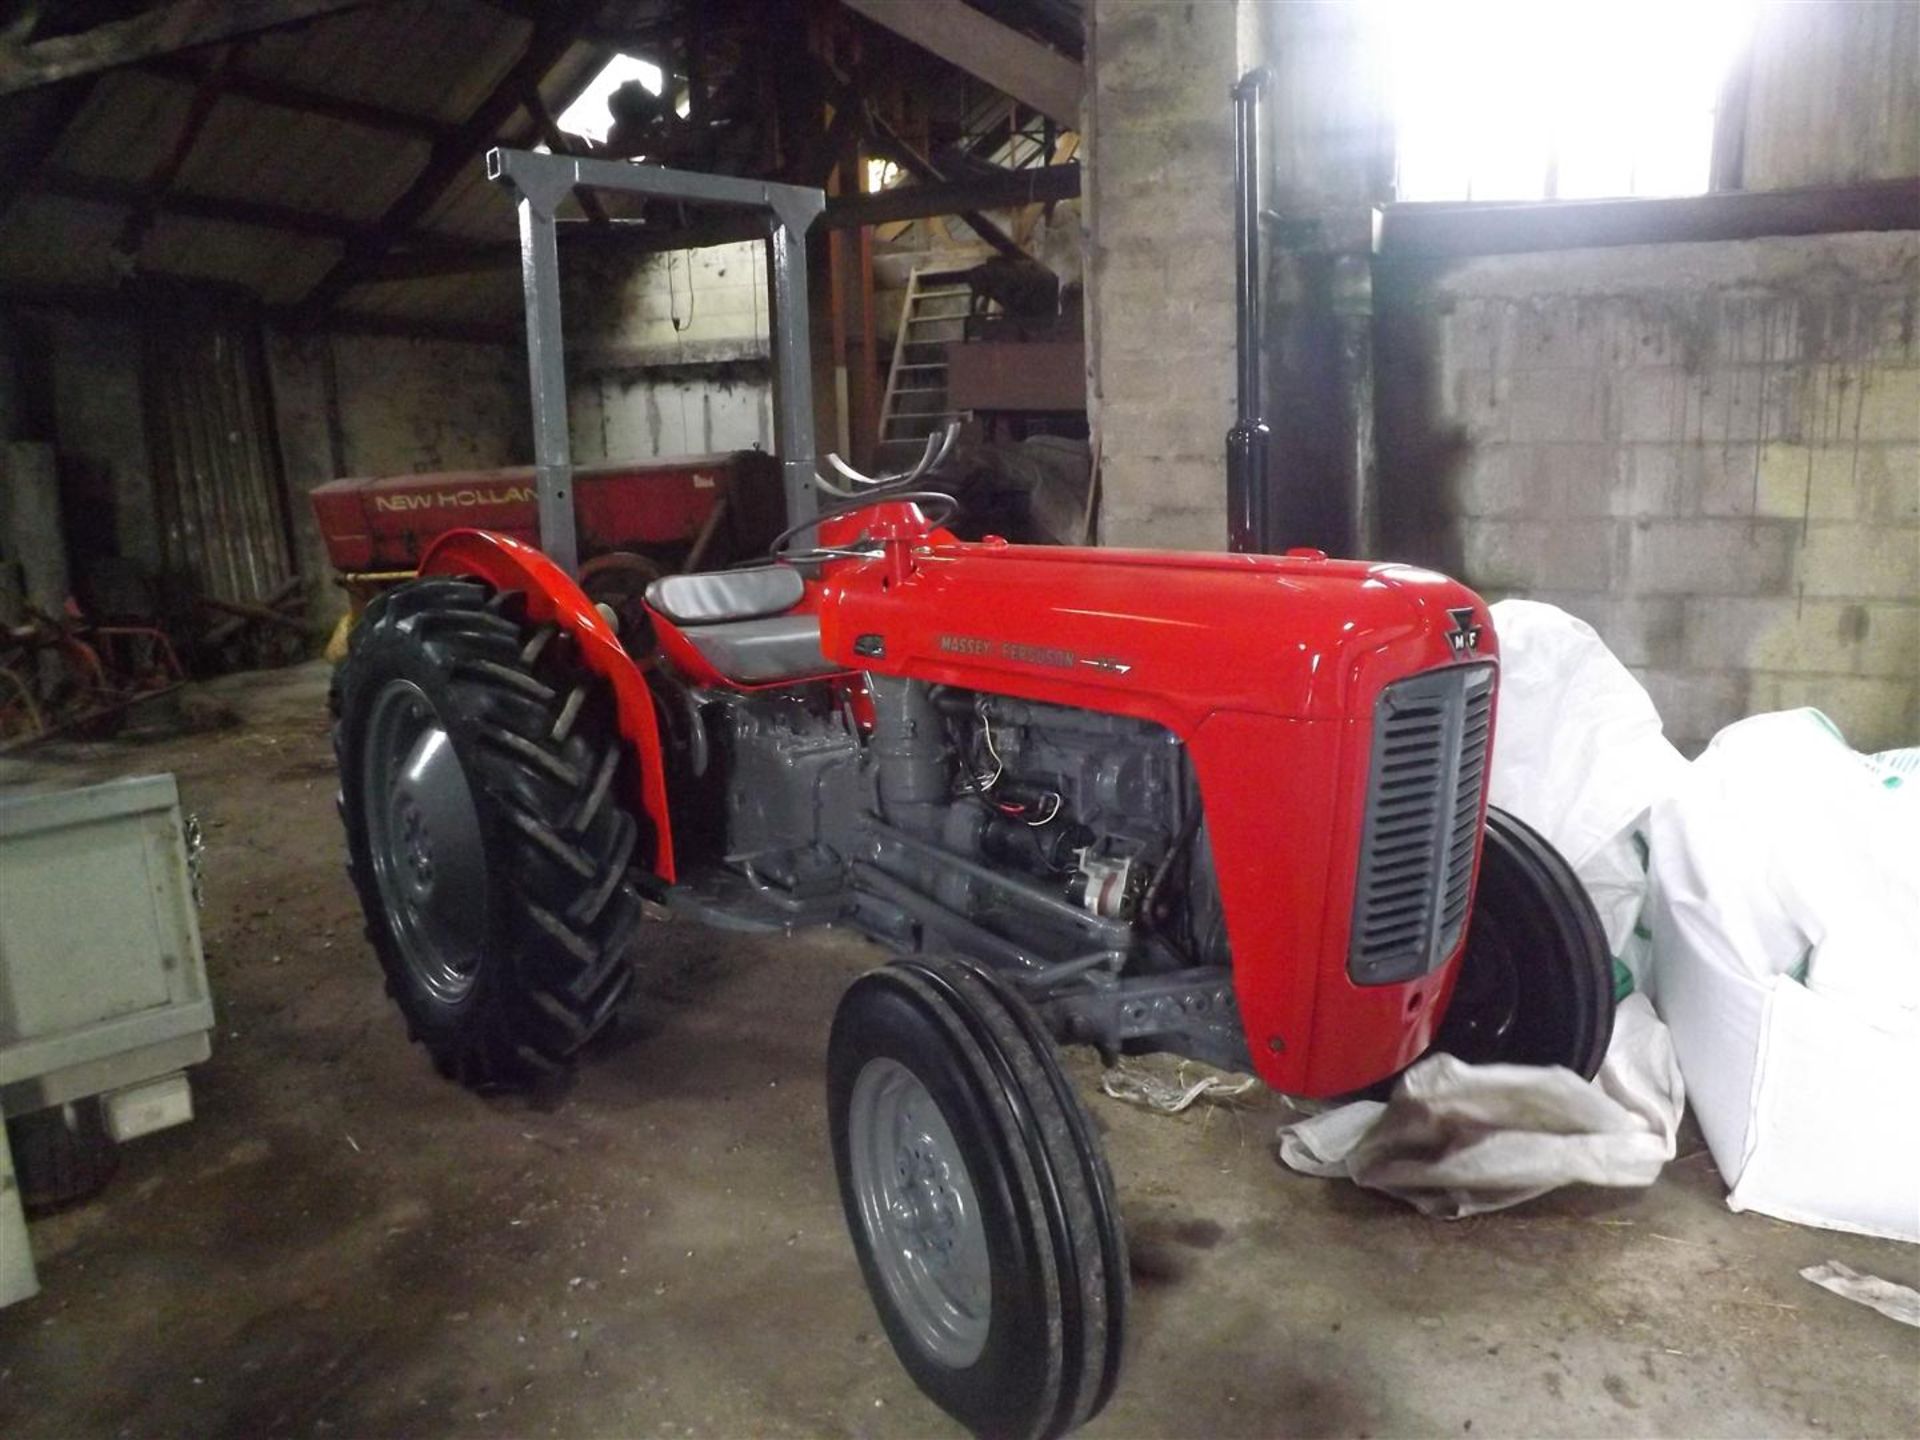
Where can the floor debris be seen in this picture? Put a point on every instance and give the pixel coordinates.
(1171, 1094)
(1896, 1302)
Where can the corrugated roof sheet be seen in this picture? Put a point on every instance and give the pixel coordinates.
(434, 58)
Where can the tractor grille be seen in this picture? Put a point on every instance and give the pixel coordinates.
(1429, 766)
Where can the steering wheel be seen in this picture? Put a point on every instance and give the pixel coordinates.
(943, 508)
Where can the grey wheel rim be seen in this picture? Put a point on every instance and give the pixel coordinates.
(921, 1215)
(423, 835)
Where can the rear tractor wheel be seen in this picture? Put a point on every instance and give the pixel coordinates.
(1536, 981)
(480, 785)
(979, 1202)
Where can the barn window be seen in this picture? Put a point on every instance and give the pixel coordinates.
(1556, 99)
(589, 116)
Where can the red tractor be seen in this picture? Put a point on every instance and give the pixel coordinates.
(1229, 806)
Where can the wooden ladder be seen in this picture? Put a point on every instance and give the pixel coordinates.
(915, 404)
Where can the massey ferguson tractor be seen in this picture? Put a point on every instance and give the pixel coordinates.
(1229, 806)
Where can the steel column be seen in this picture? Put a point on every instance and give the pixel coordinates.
(547, 375)
(792, 370)
(1249, 523)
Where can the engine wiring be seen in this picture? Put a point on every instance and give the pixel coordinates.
(984, 783)
(1051, 815)
(1060, 842)
(980, 783)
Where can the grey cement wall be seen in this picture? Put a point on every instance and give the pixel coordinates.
(1158, 205)
(101, 433)
(420, 405)
(33, 540)
(668, 356)
(382, 405)
(344, 405)
(1710, 452)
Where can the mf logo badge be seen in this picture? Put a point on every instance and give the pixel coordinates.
(1464, 637)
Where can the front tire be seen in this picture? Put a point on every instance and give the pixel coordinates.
(480, 778)
(980, 1205)
(1536, 979)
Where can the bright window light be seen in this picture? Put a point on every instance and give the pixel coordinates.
(589, 116)
(1556, 99)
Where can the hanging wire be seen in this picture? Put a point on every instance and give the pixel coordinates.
(673, 310)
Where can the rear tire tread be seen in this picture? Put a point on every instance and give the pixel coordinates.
(556, 848)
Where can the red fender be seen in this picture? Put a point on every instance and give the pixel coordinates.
(552, 595)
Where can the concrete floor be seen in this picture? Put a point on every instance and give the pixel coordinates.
(342, 1244)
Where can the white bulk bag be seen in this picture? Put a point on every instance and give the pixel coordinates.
(1785, 914)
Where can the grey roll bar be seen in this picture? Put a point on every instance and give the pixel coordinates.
(538, 184)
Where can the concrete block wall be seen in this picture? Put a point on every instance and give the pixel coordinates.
(423, 405)
(100, 429)
(668, 356)
(1158, 203)
(383, 405)
(1710, 452)
(629, 415)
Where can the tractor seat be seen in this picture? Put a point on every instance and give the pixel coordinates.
(738, 621)
(717, 597)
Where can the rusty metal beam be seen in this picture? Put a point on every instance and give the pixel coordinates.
(889, 143)
(1445, 230)
(1039, 185)
(825, 151)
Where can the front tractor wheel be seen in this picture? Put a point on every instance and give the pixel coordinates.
(479, 785)
(1536, 980)
(979, 1202)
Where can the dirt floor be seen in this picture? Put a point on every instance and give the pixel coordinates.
(342, 1244)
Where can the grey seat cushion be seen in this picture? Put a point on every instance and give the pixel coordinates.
(716, 597)
(758, 652)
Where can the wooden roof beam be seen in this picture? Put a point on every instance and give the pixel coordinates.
(907, 202)
(285, 96)
(1036, 186)
(92, 300)
(193, 205)
(893, 146)
(160, 30)
(97, 190)
(452, 153)
(962, 36)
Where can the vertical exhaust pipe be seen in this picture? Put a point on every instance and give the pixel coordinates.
(1249, 525)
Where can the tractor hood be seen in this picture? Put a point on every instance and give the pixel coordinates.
(1167, 636)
